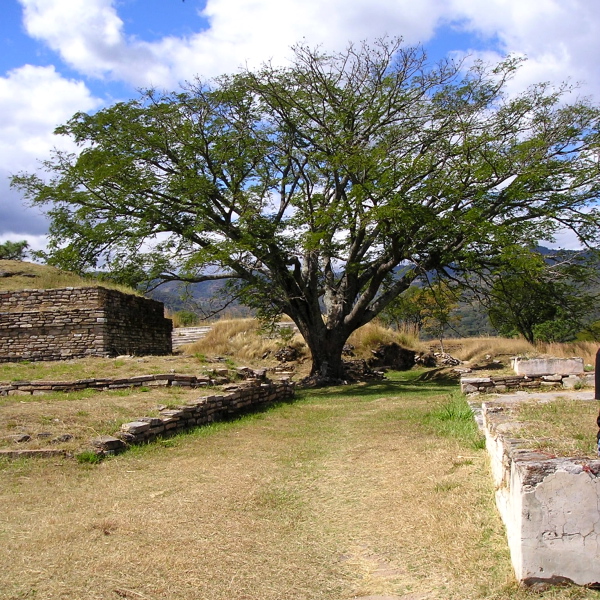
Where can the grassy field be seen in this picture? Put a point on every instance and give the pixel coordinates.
(560, 426)
(374, 490)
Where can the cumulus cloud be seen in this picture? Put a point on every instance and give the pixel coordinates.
(33, 101)
(93, 40)
(559, 38)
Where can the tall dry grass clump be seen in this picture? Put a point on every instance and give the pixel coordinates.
(244, 339)
(585, 350)
(373, 334)
(241, 338)
(477, 348)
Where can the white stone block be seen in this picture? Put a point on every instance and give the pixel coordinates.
(548, 366)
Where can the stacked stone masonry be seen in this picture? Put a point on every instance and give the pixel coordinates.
(24, 388)
(236, 398)
(500, 385)
(65, 323)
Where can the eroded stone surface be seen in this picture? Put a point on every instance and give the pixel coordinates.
(548, 366)
(550, 507)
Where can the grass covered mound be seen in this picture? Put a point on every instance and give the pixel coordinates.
(21, 275)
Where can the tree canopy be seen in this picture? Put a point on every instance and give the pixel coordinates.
(543, 298)
(14, 250)
(322, 189)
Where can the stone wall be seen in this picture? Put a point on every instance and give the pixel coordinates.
(77, 322)
(549, 506)
(508, 383)
(236, 398)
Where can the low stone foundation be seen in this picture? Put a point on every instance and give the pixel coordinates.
(235, 400)
(509, 383)
(549, 506)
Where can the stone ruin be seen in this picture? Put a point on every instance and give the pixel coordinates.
(71, 322)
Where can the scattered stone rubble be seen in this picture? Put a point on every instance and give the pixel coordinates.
(360, 370)
(392, 356)
(287, 354)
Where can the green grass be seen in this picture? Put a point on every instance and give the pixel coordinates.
(563, 426)
(454, 418)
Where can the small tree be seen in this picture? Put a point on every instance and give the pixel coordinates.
(324, 189)
(539, 298)
(14, 250)
(406, 312)
(439, 306)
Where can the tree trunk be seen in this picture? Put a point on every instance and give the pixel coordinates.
(326, 346)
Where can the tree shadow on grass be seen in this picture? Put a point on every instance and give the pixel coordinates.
(396, 383)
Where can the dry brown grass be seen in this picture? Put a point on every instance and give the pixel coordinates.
(343, 494)
(242, 339)
(83, 415)
(96, 367)
(476, 349)
(372, 334)
(34, 276)
(559, 425)
(585, 350)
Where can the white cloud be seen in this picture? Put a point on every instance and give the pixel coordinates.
(559, 37)
(90, 37)
(33, 101)
(36, 242)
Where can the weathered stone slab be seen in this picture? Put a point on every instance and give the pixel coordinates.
(108, 442)
(135, 427)
(549, 506)
(547, 366)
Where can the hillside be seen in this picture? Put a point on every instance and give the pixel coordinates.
(19, 275)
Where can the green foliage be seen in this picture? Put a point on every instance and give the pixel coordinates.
(326, 186)
(540, 299)
(14, 250)
(430, 310)
(88, 457)
(187, 318)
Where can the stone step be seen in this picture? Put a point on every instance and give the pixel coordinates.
(188, 335)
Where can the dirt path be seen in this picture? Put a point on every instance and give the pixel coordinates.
(330, 497)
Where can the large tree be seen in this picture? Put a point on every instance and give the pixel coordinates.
(322, 189)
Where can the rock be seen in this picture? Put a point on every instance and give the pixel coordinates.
(108, 442)
(135, 427)
(287, 354)
(20, 438)
(393, 356)
(426, 360)
(359, 370)
(348, 350)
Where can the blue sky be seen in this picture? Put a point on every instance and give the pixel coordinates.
(58, 57)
